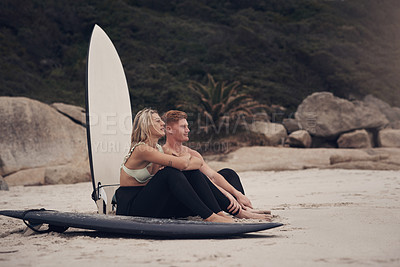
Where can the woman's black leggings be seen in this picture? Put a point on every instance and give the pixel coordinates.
(209, 193)
(167, 194)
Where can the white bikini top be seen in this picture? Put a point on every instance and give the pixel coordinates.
(140, 175)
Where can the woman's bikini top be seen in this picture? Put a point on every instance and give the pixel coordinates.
(140, 175)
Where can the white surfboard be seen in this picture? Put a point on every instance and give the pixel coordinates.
(108, 117)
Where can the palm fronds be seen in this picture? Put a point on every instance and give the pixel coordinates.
(220, 102)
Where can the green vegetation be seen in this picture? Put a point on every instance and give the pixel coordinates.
(281, 50)
(220, 104)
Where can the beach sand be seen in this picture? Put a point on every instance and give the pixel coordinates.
(332, 217)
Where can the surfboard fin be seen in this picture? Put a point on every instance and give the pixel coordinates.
(103, 196)
(100, 198)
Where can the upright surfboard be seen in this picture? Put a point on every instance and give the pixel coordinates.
(108, 117)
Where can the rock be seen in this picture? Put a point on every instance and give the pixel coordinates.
(275, 133)
(325, 115)
(355, 139)
(266, 158)
(61, 174)
(395, 125)
(300, 138)
(34, 176)
(75, 113)
(364, 165)
(392, 114)
(389, 138)
(3, 184)
(338, 158)
(291, 125)
(34, 135)
(67, 174)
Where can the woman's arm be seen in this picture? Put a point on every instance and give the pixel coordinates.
(148, 154)
(194, 164)
(195, 161)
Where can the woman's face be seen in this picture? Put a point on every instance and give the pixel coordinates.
(157, 128)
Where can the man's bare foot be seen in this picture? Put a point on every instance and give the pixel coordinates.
(220, 219)
(258, 211)
(245, 214)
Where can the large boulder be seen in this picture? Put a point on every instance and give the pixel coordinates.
(395, 125)
(389, 138)
(75, 113)
(300, 138)
(355, 139)
(291, 125)
(33, 176)
(324, 115)
(391, 113)
(34, 135)
(275, 133)
(66, 174)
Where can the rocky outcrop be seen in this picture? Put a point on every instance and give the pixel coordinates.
(33, 176)
(391, 113)
(3, 184)
(258, 158)
(66, 174)
(291, 125)
(325, 115)
(365, 165)
(34, 137)
(389, 138)
(355, 139)
(75, 113)
(395, 125)
(275, 133)
(340, 158)
(299, 138)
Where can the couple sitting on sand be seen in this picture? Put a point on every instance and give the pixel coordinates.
(173, 181)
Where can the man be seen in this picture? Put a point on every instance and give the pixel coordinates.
(226, 181)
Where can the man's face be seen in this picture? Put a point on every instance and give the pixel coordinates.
(179, 130)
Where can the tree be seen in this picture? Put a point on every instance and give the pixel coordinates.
(220, 103)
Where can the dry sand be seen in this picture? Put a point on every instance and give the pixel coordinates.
(332, 217)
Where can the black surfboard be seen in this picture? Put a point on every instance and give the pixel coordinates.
(137, 226)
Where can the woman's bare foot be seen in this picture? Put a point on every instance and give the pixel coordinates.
(245, 214)
(220, 219)
(223, 214)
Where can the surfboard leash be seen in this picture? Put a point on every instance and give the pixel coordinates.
(51, 228)
(96, 192)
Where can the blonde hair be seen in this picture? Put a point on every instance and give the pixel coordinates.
(141, 130)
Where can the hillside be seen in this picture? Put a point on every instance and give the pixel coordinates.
(281, 50)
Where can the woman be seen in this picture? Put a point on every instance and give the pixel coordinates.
(151, 183)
